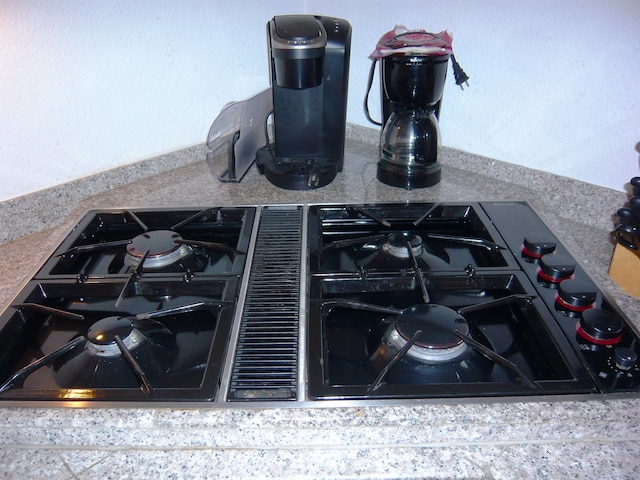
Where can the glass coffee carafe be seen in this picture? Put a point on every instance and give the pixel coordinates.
(412, 87)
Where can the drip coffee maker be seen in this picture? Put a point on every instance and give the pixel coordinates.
(413, 70)
(412, 90)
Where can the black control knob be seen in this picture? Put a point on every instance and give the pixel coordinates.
(555, 268)
(600, 327)
(625, 358)
(576, 294)
(535, 246)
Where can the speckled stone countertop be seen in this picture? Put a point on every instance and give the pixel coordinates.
(519, 440)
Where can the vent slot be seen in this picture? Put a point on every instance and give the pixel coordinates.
(265, 365)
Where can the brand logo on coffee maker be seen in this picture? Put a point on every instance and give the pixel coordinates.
(300, 42)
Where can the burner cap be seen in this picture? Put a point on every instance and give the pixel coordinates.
(396, 244)
(103, 331)
(162, 247)
(101, 336)
(436, 322)
(437, 342)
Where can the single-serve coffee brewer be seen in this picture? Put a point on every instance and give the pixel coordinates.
(413, 70)
(309, 66)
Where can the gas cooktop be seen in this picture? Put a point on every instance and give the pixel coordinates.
(310, 305)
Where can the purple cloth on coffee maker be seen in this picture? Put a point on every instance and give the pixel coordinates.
(402, 41)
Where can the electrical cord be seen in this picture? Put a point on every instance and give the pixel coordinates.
(458, 73)
(372, 70)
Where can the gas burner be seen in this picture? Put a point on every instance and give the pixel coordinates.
(120, 350)
(459, 342)
(425, 343)
(398, 251)
(398, 244)
(436, 342)
(187, 242)
(161, 247)
(101, 337)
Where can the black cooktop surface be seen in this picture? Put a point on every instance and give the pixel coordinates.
(133, 305)
(310, 303)
(455, 300)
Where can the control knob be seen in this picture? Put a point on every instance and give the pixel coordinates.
(625, 358)
(535, 246)
(600, 327)
(576, 295)
(555, 268)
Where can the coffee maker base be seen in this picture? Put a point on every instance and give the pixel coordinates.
(409, 177)
(304, 173)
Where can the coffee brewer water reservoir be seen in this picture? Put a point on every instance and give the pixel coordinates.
(309, 66)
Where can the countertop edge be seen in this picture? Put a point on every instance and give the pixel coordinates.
(47, 208)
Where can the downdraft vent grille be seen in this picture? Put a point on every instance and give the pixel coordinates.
(265, 366)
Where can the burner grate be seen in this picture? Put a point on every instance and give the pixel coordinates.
(265, 365)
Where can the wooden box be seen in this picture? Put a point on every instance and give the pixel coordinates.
(625, 270)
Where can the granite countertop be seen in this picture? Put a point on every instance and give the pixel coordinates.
(560, 439)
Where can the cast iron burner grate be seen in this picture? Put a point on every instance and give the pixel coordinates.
(479, 336)
(166, 342)
(150, 242)
(373, 239)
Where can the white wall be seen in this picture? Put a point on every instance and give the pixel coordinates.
(555, 85)
(86, 86)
